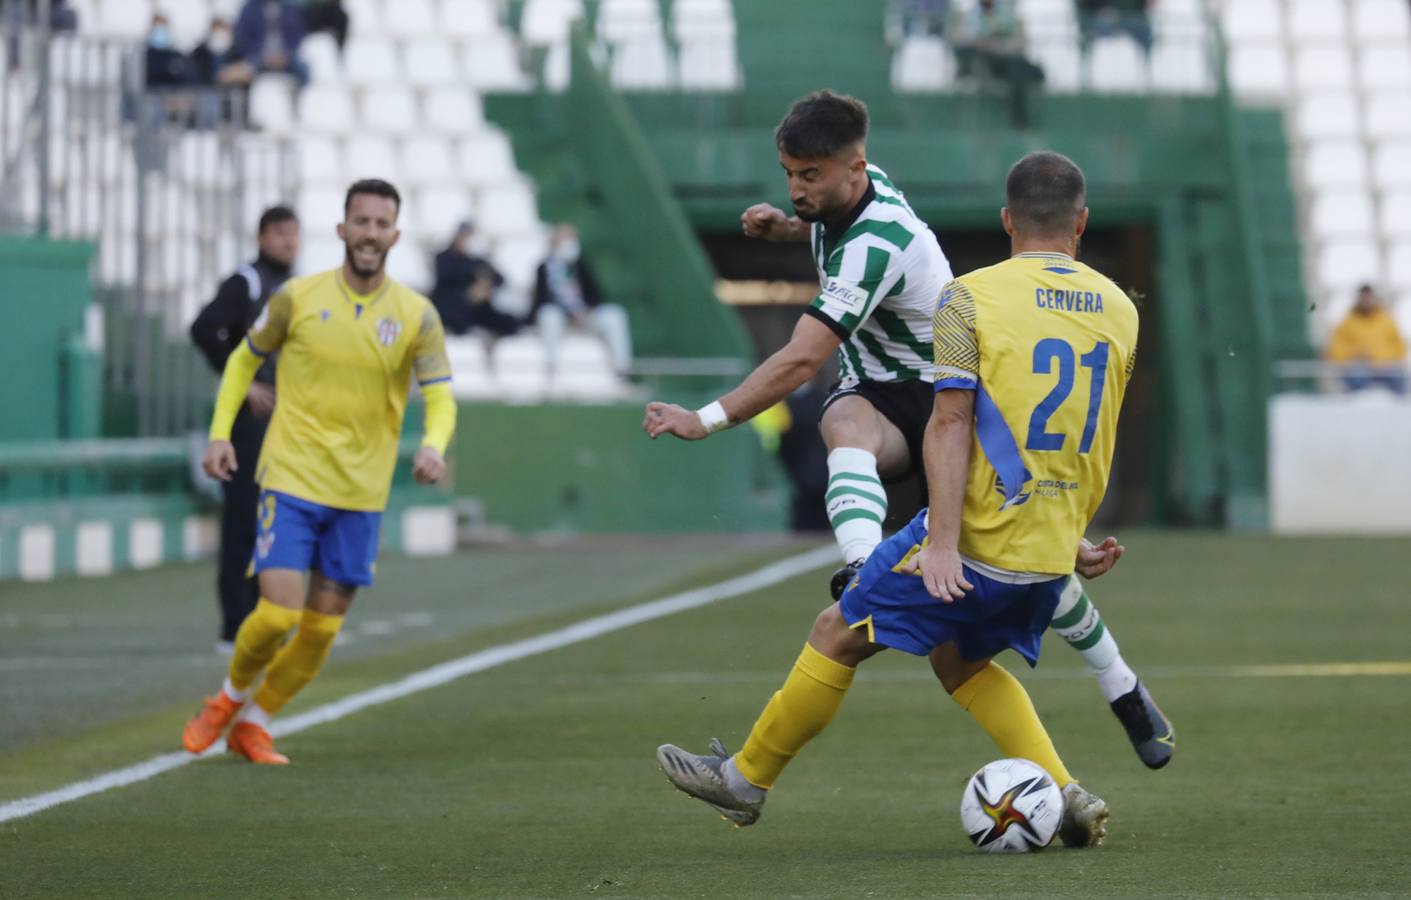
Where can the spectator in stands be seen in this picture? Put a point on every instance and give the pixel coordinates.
(1105, 18)
(325, 15)
(217, 331)
(917, 18)
(989, 43)
(17, 15)
(1368, 346)
(222, 76)
(268, 34)
(565, 293)
(166, 77)
(465, 288)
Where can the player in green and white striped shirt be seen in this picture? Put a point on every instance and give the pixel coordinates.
(880, 272)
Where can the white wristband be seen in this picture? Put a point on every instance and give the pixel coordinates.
(713, 417)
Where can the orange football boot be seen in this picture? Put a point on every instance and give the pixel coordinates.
(254, 743)
(208, 724)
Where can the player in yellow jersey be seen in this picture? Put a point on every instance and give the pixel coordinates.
(349, 341)
(1033, 357)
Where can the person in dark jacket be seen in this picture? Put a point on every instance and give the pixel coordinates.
(465, 289)
(217, 331)
(221, 76)
(566, 293)
(268, 34)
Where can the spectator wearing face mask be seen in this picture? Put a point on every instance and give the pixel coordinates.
(565, 293)
(218, 68)
(166, 66)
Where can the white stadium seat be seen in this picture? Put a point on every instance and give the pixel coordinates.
(1335, 163)
(408, 263)
(411, 18)
(320, 209)
(365, 16)
(708, 64)
(320, 54)
(642, 64)
(439, 210)
(369, 156)
(520, 364)
(702, 19)
(462, 19)
(1342, 213)
(1343, 264)
(1389, 115)
(1181, 64)
(1322, 67)
(1384, 67)
(371, 61)
(486, 159)
(1381, 20)
(189, 22)
(1330, 114)
(320, 160)
(518, 258)
(272, 104)
(326, 109)
(626, 20)
(1316, 20)
(426, 161)
(1396, 215)
(431, 62)
(1245, 20)
(558, 66)
(1258, 69)
(389, 110)
(470, 366)
(492, 63)
(1117, 66)
(509, 209)
(546, 22)
(128, 19)
(1399, 266)
(922, 63)
(1391, 164)
(452, 111)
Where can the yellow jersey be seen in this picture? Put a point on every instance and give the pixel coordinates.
(1048, 346)
(345, 367)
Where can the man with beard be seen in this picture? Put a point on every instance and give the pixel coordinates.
(349, 340)
(881, 272)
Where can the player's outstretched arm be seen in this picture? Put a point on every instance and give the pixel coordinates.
(775, 378)
(947, 455)
(1096, 560)
(769, 222)
(240, 369)
(429, 464)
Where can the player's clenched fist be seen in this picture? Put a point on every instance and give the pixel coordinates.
(764, 221)
(668, 418)
(219, 461)
(427, 466)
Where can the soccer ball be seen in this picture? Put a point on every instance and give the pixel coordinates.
(1011, 806)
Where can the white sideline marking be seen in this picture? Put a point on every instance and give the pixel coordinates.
(441, 674)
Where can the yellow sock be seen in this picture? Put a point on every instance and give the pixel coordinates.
(299, 661)
(1002, 707)
(799, 710)
(258, 639)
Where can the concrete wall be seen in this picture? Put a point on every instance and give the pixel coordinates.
(1340, 464)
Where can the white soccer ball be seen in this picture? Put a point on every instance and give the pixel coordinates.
(1011, 806)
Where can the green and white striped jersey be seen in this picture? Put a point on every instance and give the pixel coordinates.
(880, 274)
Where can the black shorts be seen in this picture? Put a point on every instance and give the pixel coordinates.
(906, 404)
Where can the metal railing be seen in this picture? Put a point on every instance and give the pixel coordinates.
(88, 152)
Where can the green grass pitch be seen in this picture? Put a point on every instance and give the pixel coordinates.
(537, 778)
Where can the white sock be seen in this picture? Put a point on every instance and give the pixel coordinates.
(1077, 621)
(856, 502)
(232, 693)
(256, 715)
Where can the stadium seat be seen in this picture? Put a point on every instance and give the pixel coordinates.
(410, 265)
(318, 251)
(1335, 163)
(365, 17)
(320, 160)
(641, 64)
(627, 20)
(1345, 263)
(1117, 66)
(426, 161)
(487, 159)
(702, 19)
(325, 109)
(1251, 20)
(320, 53)
(1391, 164)
(1342, 213)
(390, 110)
(546, 22)
(129, 19)
(558, 66)
(509, 208)
(438, 210)
(1399, 266)
(1328, 114)
(272, 105)
(431, 62)
(411, 18)
(202, 163)
(1181, 64)
(921, 64)
(1389, 115)
(708, 64)
(320, 210)
(462, 19)
(1258, 69)
(1396, 215)
(1386, 67)
(470, 367)
(518, 258)
(520, 364)
(582, 369)
(369, 156)
(1311, 21)
(1322, 67)
(371, 62)
(492, 63)
(452, 111)
(1381, 20)
(189, 21)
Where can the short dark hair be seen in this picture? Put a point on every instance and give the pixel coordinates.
(275, 215)
(1045, 192)
(374, 186)
(821, 125)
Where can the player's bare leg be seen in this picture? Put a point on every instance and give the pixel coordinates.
(863, 449)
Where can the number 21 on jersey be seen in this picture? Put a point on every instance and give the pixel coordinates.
(1046, 353)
